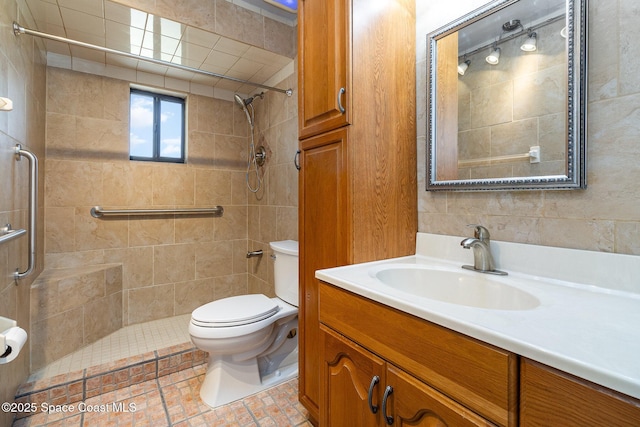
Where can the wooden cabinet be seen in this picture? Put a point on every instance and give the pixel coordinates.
(323, 65)
(323, 233)
(361, 389)
(431, 369)
(358, 178)
(549, 397)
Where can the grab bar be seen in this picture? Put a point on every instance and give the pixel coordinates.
(33, 208)
(99, 212)
(8, 234)
(533, 156)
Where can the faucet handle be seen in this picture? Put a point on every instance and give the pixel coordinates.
(480, 232)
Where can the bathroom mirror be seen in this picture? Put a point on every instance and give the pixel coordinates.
(506, 98)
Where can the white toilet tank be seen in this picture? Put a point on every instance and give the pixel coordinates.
(285, 270)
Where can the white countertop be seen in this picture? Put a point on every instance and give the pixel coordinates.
(590, 331)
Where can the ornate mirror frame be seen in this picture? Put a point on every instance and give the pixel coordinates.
(576, 114)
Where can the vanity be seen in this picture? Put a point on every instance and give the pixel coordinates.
(554, 342)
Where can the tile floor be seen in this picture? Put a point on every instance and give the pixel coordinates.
(126, 342)
(170, 400)
(174, 400)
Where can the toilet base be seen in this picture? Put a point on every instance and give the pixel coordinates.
(227, 380)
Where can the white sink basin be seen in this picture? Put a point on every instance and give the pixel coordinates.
(455, 287)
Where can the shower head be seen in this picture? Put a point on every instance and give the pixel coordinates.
(247, 103)
(244, 103)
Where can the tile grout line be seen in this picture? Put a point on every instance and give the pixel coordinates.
(164, 402)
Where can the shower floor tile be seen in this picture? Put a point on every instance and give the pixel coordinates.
(130, 341)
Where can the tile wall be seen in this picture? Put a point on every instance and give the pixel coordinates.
(604, 217)
(170, 265)
(22, 78)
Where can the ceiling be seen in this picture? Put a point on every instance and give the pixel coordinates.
(488, 29)
(112, 25)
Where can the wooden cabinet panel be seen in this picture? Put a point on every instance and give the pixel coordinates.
(415, 404)
(324, 53)
(552, 398)
(479, 376)
(348, 370)
(349, 398)
(323, 234)
(369, 179)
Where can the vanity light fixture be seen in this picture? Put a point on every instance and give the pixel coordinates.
(462, 67)
(530, 44)
(494, 56)
(563, 32)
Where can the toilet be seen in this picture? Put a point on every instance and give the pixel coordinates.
(251, 339)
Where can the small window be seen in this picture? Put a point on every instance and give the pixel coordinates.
(156, 127)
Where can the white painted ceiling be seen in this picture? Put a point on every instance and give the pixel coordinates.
(112, 25)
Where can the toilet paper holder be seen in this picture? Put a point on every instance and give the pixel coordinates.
(5, 325)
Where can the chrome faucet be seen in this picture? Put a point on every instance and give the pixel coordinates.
(482, 258)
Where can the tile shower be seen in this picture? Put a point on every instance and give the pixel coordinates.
(100, 276)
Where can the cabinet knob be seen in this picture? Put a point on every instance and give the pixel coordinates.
(340, 93)
(385, 398)
(375, 380)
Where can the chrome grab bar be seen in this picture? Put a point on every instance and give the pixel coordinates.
(252, 254)
(99, 212)
(7, 233)
(33, 208)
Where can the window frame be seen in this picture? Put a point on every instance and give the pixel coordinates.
(157, 98)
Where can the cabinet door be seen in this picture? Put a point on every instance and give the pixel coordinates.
(323, 222)
(349, 374)
(323, 65)
(413, 403)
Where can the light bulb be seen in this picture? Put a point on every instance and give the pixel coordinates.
(462, 67)
(530, 44)
(494, 56)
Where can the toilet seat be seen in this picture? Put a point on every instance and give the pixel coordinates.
(234, 311)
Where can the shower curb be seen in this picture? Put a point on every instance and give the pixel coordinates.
(80, 385)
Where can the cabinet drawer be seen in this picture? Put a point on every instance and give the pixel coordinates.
(553, 398)
(481, 377)
(415, 401)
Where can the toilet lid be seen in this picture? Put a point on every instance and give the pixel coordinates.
(234, 311)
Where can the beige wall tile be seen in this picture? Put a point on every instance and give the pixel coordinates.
(173, 185)
(137, 265)
(173, 263)
(194, 229)
(146, 304)
(55, 337)
(492, 104)
(228, 286)
(239, 255)
(72, 183)
(231, 152)
(102, 316)
(193, 294)
(213, 266)
(127, 184)
(150, 231)
(60, 230)
(232, 225)
(239, 24)
(93, 233)
(101, 139)
(213, 187)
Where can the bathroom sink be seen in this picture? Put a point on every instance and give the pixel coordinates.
(455, 287)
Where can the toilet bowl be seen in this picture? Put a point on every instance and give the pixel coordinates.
(251, 339)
